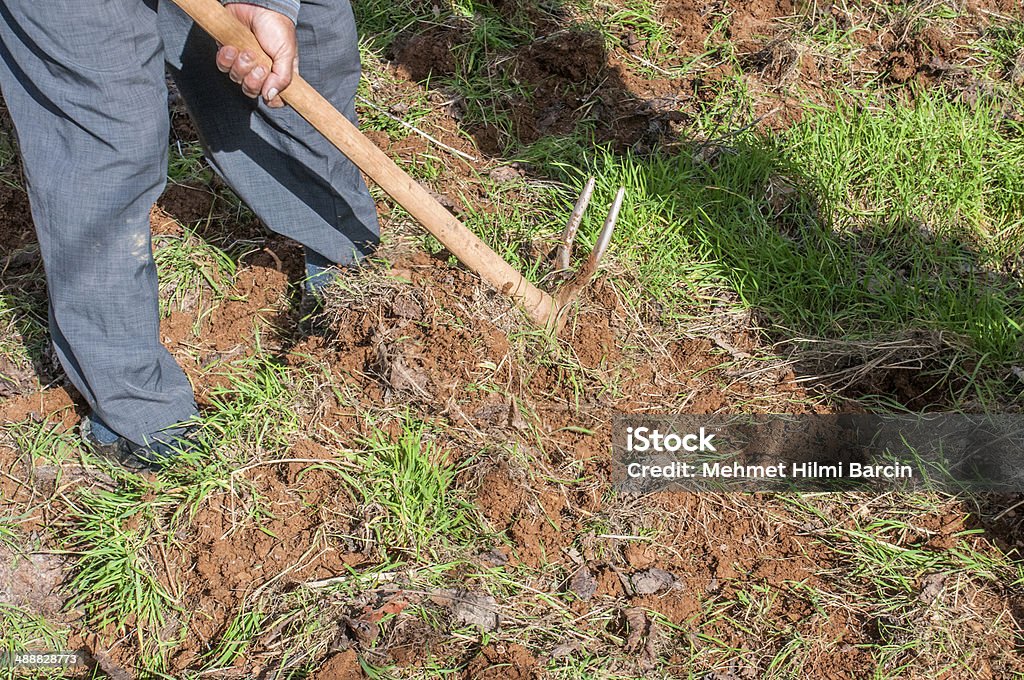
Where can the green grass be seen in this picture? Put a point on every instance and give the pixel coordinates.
(43, 442)
(412, 107)
(186, 163)
(1003, 44)
(828, 36)
(236, 638)
(193, 272)
(10, 537)
(917, 601)
(116, 541)
(853, 224)
(114, 578)
(23, 631)
(653, 52)
(409, 486)
(879, 221)
(483, 37)
(252, 417)
(257, 409)
(23, 320)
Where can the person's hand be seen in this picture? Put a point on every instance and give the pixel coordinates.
(276, 35)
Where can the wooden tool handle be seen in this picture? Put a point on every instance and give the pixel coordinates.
(311, 105)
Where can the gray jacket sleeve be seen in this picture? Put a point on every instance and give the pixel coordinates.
(289, 8)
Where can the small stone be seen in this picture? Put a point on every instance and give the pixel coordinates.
(583, 584)
(931, 587)
(651, 581)
(405, 307)
(470, 609)
(565, 649)
(493, 558)
(404, 375)
(505, 173)
(363, 632)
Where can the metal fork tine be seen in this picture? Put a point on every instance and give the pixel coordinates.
(605, 237)
(569, 235)
(569, 290)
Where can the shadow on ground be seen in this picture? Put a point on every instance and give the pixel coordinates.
(856, 308)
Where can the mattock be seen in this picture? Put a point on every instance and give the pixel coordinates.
(543, 308)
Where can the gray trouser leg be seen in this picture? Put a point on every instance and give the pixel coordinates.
(84, 82)
(292, 178)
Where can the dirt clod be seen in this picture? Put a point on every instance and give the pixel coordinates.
(341, 666)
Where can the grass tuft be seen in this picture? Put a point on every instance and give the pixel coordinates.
(408, 488)
(114, 581)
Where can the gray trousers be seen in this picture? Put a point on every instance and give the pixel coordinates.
(85, 86)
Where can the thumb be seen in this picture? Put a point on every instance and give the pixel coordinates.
(286, 63)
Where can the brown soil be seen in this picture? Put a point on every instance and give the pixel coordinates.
(341, 666)
(573, 77)
(399, 345)
(501, 662)
(225, 559)
(16, 228)
(421, 338)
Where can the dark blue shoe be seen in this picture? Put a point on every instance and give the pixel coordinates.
(106, 443)
(320, 273)
(149, 457)
(98, 431)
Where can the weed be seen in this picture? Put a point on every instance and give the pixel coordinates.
(193, 271)
(23, 323)
(187, 164)
(410, 485)
(236, 638)
(24, 631)
(114, 580)
(43, 441)
(256, 410)
(845, 224)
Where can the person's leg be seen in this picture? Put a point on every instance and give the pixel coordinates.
(295, 181)
(84, 83)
